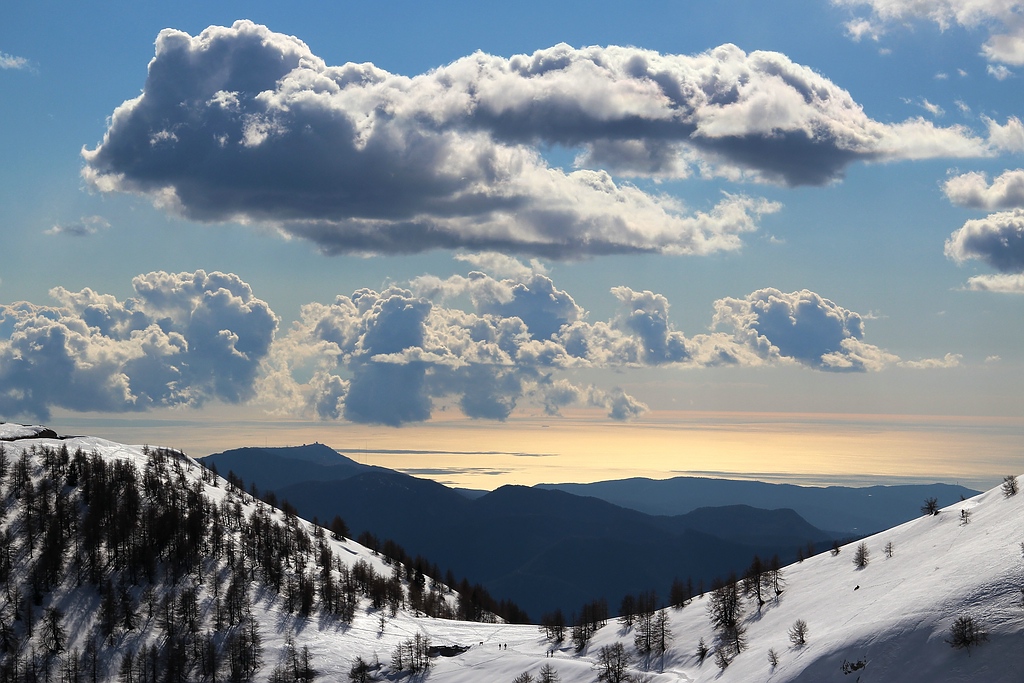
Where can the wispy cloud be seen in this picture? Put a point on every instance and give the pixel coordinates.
(83, 227)
(932, 108)
(1006, 283)
(1001, 18)
(11, 62)
(999, 72)
(416, 451)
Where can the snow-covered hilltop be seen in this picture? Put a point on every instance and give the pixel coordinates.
(140, 565)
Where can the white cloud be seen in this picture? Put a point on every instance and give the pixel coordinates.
(973, 190)
(184, 339)
(931, 108)
(11, 62)
(503, 264)
(1001, 18)
(1005, 283)
(1008, 137)
(800, 327)
(998, 72)
(83, 227)
(357, 159)
(997, 239)
(858, 29)
(476, 342)
(950, 360)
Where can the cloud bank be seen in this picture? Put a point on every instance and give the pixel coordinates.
(1003, 19)
(481, 344)
(184, 339)
(243, 124)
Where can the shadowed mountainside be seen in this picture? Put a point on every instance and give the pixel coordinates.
(542, 549)
(845, 509)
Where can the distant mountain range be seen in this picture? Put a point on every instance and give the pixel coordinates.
(546, 547)
(847, 510)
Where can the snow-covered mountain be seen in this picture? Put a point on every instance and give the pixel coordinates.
(80, 594)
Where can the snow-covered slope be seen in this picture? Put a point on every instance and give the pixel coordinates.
(10, 431)
(887, 621)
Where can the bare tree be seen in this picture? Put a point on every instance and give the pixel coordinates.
(930, 507)
(702, 651)
(1010, 486)
(725, 607)
(773, 657)
(862, 556)
(722, 659)
(612, 664)
(888, 549)
(966, 632)
(798, 633)
(548, 674)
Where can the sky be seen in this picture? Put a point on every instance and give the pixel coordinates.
(437, 228)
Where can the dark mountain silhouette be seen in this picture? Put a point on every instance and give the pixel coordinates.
(540, 548)
(286, 465)
(748, 525)
(849, 510)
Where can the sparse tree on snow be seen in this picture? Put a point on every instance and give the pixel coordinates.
(930, 507)
(861, 556)
(612, 664)
(1010, 486)
(773, 657)
(702, 651)
(360, 671)
(966, 632)
(888, 549)
(798, 633)
(548, 674)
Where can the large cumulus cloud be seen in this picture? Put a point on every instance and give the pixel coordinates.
(998, 240)
(245, 124)
(801, 327)
(394, 356)
(1003, 19)
(183, 339)
(465, 342)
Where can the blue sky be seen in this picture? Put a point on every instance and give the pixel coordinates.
(738, 206)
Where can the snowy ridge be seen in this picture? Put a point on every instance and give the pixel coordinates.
(886, 621)
(10, 431)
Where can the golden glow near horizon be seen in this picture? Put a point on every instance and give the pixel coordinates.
(815, 449)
